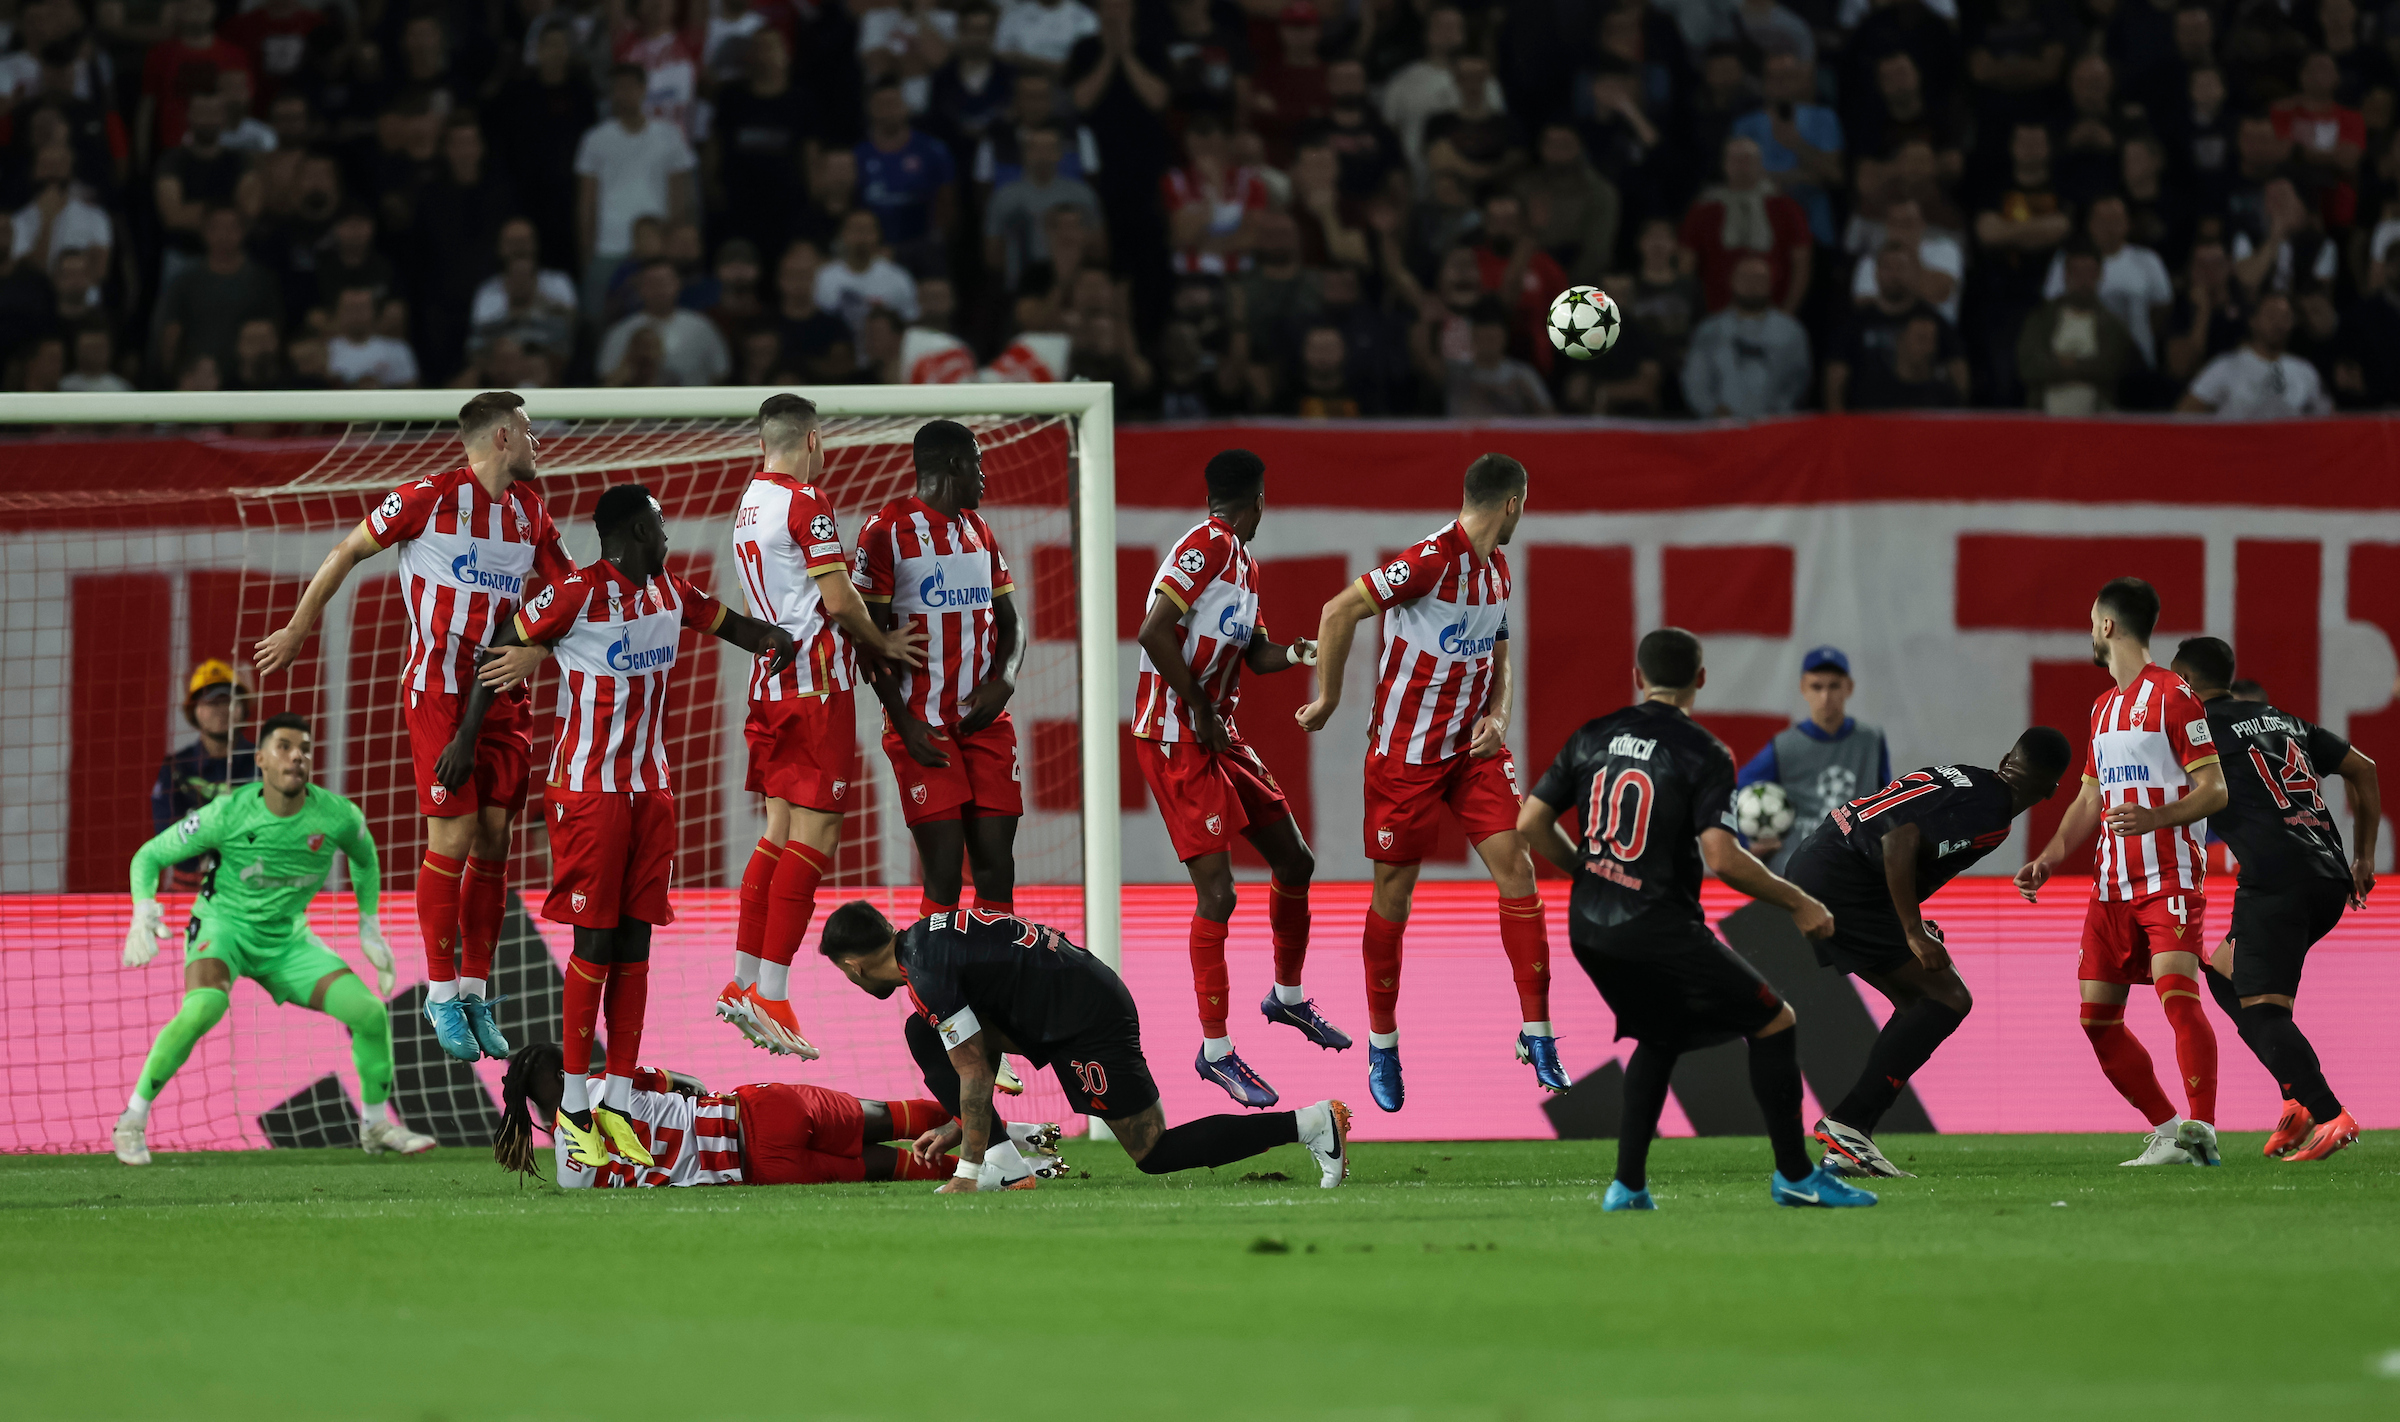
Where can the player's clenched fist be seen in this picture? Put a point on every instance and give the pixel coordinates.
(1315, 714)
(142, 940)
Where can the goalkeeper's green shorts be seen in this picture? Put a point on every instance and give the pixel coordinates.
(288, 965)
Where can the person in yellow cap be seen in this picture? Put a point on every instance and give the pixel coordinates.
(215, 702)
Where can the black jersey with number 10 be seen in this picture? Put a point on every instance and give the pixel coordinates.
(1644, 782)
(1962, 813)
(2274, 816)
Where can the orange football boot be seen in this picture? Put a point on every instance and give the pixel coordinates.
(2291, 1128)
(2328, 1138)
(774, 1017)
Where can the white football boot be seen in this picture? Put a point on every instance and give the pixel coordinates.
(1329, 1142)
(2199, 1141)
(389, 1135)
(2160, 1150)
(1855, 1153)
(133, 1146)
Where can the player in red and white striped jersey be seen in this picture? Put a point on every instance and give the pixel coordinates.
(803, 724)
(2153, 776)
(470, 541)
(1437, 742)
(613, 626)
(929, 561)
(1201, 630)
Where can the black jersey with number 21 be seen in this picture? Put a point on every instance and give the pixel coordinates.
(1962, 813)
(1644, 782)
(2274, 816)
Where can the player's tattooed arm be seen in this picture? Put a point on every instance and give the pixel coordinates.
(1537, 824)
(1336, 625)
(2366, 809)
(984, 704)
(1741, 870)
(1900, 848)
(978, 1120)
(1160, 638)
(2074, 828)
(759, 639)
(281, 647)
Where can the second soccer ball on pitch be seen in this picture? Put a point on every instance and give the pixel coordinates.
(1762, 809)
(1584, 322)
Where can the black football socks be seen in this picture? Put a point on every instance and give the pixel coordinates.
(1647, 1073)
(1219, 1140)
(1775, 1081)
(1906, 1043)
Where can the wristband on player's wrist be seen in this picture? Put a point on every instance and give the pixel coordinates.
(967, 1170)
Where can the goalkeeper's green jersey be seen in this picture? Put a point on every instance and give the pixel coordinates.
(268, 866)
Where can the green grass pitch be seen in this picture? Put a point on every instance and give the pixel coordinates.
(2019, 1278)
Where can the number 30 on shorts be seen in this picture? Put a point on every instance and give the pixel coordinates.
(1093, 1076)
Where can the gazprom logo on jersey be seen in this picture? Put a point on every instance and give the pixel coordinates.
(469, 575)
(629, 659)
(2124, 774)
(1231, 627)
(935, 592)
(1456, 641)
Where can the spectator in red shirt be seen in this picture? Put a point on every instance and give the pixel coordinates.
(185, 63)
(2327, 137)
(1210, 203)
(280, 36)
(1291, 91)
(1744, 216)
(1511, 266)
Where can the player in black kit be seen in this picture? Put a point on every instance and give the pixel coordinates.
(990, 983)
(2293, 887)
(1654, 794)
(1874, 862)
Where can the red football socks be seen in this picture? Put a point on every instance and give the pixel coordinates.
(1525, 938)
(792, 902)
(628, 998)
(750, 930)
(2124, 1062)
(1381, 949)
(1006, 906)
(437, 914)
(928, 906)
(1209, 982)
(482, 900)
(908, 1167)
(911, 1119)
(2195, 1043)
(1287, 920)
(582, 1012)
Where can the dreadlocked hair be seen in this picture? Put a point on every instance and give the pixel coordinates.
(512, 1144)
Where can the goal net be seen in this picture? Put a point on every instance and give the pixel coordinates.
(132, 558)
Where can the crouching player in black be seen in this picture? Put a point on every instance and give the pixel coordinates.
(2293, 887)
(1654, 792)
(991, 983)
(1874, 862)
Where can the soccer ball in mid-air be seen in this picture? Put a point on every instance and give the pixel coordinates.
(1584, 322)
(1761, 809)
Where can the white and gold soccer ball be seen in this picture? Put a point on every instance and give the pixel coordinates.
(1762, 809)
(1584, 322)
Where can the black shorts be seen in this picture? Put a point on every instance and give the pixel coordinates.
(1095, 1050)
(1678, 985)
(1867, 935)
(2273, 930)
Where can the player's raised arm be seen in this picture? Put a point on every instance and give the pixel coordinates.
(2366, 810)
(1537, 821)
(1336, 625)
(1900, 848)
(1740, 869)
(194, 834)
(280, 648)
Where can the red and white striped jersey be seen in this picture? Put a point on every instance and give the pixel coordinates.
(785, 538)
(693, 1140)
(464, 560)
(944, 574)
(2146, 739)
(614, 641)
(1213, 579)
(1444, 612)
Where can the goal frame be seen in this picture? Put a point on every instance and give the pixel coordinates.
(1090, 404)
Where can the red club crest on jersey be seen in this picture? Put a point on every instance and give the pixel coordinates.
(316, 844)
(2139, 712)
(438, 793)
(838, 787)
(1215, 823)
(1383, 838)
(917, 793)
(577, 900)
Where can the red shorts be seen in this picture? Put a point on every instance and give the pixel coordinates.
(503, 752)
(804, 750)
(981, 780)
(1403, 800)
(1206, 798)
(2119, 937)
(612, 855)
(794, 1134)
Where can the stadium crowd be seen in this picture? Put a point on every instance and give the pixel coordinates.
(1322, 207)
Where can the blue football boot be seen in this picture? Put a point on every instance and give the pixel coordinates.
(1620, 1198)
(1304, 1015)
(1542, 1052)
(1241, 1083)
(486, 1030)
(450, 1028)
(1821, 1187)
(1383, 1077)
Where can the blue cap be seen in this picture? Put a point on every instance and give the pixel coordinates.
(1819, 658)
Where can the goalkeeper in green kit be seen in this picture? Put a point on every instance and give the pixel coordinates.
(275, 840)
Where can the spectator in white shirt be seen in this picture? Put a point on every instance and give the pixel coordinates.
(1425, 87)
(690, 350)
(358, 358)
(1940, 261)
(864, 277)
(58, 221)
(1035, 35)
(2133, 281)
(95, 362)
(2260, 380)
(244, 132)
(628, 166)
(519, 238)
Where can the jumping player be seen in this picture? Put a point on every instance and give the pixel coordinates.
(993, 983)
(1874, 862)
(931, 559)
(2294, 883)
(774, 1133)
(613, 626)
(1200, 632)
(469, 540)
(803, 727)
(1438, 742)
(273, 842)
(2153, 774)
(1653, 793)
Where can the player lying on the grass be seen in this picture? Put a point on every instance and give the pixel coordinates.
(2294, 883)
(1874, 862)
(993, 983)
(468, 540)
(802, 728)
(1653, 793)
(614, 626)
(1437, 744)
(1200, 632)
(275, 840)
(2153, 776)
(773, 1133)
